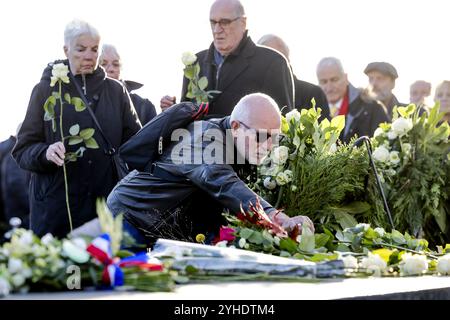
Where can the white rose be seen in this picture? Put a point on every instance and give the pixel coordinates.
(17, 280)
(188, 58)
(413, 264)
(280, 155)
(80, 243)
(294, 114)
(281, 179)
(443, 265)
(269, 183)
(74, 252)
(47, 239)
(381, 154)
(380, 231)
(294, 188)
(374, 264)
(289, 175)
(4, 287)
(242, 242)
(14, 265)
(401, 126)
(350, 262)
(26, 239)
(394, 157)
(378, 132)
(59, 72)
(391, 135)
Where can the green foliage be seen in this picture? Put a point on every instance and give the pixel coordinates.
(326, 178)
(417, 184)
(197, 85)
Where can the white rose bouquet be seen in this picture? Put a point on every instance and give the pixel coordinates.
(411, 154)
(307, 173)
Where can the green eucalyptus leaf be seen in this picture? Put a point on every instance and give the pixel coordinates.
(203, 83)
(75, 140)
(256, 238)
(287, 244)
(246, 233)
(74, 130)
(321, 239)
(91, 143)
(87, 133)
(78, 104)
(67, 98)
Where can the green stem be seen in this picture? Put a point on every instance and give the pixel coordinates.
(397, 247)
(66, 187)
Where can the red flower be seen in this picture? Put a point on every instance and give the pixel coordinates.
(226, 233)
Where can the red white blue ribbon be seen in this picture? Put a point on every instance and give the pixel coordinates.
(100, 249)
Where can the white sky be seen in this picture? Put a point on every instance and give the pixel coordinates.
(151, 36)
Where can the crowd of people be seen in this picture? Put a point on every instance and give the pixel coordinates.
(253, 84)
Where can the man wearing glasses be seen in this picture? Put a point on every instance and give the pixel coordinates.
(235, 66)
(183, 197)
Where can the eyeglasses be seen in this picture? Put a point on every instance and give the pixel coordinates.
(263, 136)
(223, 23)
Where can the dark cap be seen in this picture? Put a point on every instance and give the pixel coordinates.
(383, 67)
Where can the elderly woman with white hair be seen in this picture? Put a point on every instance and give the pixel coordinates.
(45, 148)
(111, 61)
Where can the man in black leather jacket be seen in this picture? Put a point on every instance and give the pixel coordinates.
(200, 176)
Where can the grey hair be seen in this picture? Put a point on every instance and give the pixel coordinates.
(238, 7)
(77, 28)
(330, 61)
(243, 112)
(240, 11)
(110, 48)
(267, 38)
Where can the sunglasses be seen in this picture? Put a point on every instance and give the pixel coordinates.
(264, 135)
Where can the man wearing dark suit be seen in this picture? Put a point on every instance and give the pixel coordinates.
(304, 91)
(362, 113)
(236, 66)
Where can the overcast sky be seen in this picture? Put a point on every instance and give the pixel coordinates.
(151, 36)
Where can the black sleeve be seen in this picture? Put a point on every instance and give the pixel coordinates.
(31, 145)
(223, 184)
(279, 84)
(130, 120)
(322, 102)
(379, 115)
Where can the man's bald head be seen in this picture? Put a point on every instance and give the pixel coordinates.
(258, 111)
(235, 5)
(275, 42)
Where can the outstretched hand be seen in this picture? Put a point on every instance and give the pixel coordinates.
(289, 223)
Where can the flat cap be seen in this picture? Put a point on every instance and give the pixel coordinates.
(383, 67)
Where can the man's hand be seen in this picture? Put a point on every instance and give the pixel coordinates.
(167, 101)
(289, 223)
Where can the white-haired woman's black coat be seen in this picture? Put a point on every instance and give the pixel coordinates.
(91, 176)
